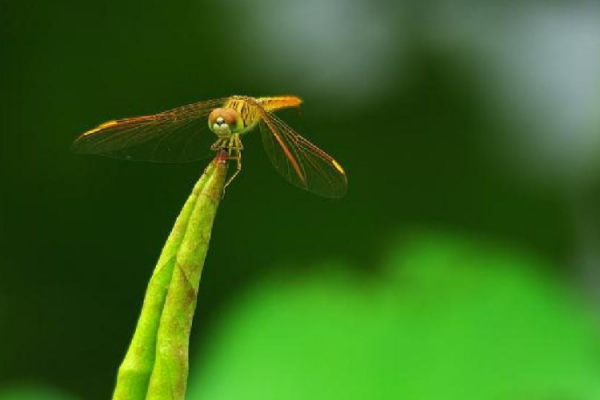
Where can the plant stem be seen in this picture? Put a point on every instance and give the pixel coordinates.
(156, 363)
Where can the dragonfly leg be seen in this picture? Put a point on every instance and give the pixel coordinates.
(238, 159)
(217, 146)
(235, 153)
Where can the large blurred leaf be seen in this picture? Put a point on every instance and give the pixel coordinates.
(449, 318)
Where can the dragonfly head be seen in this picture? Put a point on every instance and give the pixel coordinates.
(225, 121)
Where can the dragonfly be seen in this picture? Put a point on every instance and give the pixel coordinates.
(185, 134)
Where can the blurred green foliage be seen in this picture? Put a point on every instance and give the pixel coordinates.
(32, 392)
(446, 317)
(449, 317)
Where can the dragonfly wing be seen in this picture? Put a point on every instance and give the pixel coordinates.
(299, 161)
(177, 135)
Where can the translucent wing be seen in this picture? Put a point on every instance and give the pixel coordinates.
(177, 135)
(299, 161)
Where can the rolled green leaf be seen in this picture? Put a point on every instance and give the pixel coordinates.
(156, 364)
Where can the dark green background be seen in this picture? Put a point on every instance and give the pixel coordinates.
(79, 235)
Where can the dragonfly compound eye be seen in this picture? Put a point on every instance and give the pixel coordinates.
(224, 121)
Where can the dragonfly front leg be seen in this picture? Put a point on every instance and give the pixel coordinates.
(235, 153)
(221, 144)
(238, 169)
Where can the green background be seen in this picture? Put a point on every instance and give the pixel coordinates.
(468, 131)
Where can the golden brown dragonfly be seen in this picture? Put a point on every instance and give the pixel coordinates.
(181, 135)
